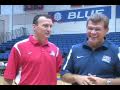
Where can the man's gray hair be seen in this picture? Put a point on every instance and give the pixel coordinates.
(98, 17)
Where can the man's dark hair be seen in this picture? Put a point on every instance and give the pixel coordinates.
(35, 20)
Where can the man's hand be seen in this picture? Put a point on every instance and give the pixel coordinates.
(97, 80)
(83, 80)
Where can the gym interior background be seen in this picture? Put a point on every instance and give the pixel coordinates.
(69, 25)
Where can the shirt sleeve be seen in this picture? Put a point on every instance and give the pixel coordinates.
(67, 66)
(59, 61)
(12, 64)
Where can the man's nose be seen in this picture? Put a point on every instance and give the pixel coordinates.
(49, 28)
(93, 31)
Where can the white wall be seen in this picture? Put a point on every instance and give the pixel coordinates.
(49, 8)
(118, 25)
(63, 28)
(69, 28)
(112, 20)
(5, 18)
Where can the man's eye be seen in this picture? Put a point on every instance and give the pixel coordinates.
(90, 28)
(51, 26)
(46, 26)
(97, 29)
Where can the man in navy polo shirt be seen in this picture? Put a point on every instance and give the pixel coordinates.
(35, 60)
(96, 61)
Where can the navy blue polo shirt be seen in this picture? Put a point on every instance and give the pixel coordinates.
(102, 62)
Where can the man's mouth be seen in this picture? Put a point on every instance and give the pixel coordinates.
(93, 38)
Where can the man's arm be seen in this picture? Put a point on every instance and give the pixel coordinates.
(115, 81)
(105, 81)
(74, 78)
(68, 78)
(59, 61)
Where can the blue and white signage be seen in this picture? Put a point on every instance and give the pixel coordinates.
(79, 14)
(118, 11)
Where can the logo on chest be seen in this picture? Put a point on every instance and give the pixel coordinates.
(52, 53)
(106, 59)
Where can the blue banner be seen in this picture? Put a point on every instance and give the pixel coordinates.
(79, 14)
(118, 11)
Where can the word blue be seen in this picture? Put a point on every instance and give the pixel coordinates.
(79, 14)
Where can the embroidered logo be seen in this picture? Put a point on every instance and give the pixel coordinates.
(106, 59)
(29, 53)
(52, 53)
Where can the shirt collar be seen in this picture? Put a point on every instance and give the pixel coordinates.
(103, 47)
(36, 42)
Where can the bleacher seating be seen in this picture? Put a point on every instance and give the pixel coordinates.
(63, 41)
(6, 47)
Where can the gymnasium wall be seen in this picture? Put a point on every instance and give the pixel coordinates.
(16, 16)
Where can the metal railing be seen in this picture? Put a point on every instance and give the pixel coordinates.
(7, 36)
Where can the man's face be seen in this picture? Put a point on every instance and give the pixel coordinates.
(96, 33)
(43, 28)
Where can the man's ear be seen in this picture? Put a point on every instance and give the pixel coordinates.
(107, 30)
(34, 27)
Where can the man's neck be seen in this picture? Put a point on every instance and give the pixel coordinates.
(95, 46)
(42, 41)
